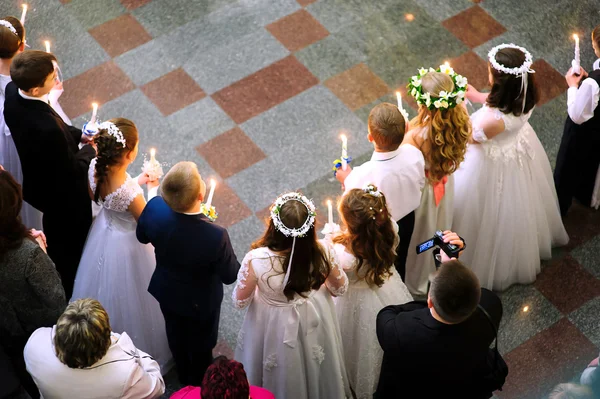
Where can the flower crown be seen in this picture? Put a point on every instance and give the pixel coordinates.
(10, 27)
(445, 100)
(525, 68)
(114, 131)
(282, 228)
(370, 189)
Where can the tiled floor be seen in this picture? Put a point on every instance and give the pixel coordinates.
(256, 92)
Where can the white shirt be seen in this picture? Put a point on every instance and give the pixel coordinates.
(596, 64)
(399, 175)
(124, 372)
(43, 98)
(582, 101)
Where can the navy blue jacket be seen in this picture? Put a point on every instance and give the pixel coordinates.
(194, 258)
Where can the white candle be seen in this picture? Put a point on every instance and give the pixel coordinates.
(152, 155)
(47, 42)
(213, 183)
(344, 151)
(94, 113)
(329, 212)
(576, 62)
(399, 98)
(23, 14)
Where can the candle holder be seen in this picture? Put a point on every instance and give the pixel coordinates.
(153, 169)
(337, 164)
(211, 213)
(331, 228)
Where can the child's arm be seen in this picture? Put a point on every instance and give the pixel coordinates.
(476, 96)
(337, 281)
(243, 291)
(582, 100)
(228, 265)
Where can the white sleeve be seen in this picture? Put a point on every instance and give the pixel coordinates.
(152, 192)
(145, 381)
(582, 102)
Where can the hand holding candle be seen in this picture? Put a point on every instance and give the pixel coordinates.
(576, 63)
(152, 167)
(344, 151)
(330, 227)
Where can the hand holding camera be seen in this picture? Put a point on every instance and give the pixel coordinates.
(450, 245)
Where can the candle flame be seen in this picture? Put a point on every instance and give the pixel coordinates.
(447, 63)
(526, 309)
(328, 202)
(24, 7)
(409, 17)
(95, 106)
(152, 152)
(213, 182)
(575, 36)
(47, 42)
(343, 137)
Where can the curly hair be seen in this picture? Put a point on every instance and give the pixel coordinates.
(369, 234)
(225, 379)
(110, 152)
(12, 229)
(448, 130)
(9, 42)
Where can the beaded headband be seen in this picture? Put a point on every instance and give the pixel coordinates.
(10, 27)
(276, 218)
(114, 131)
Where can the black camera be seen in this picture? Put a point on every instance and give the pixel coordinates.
(438, 240)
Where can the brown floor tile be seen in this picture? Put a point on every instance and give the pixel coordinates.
(173, 91)
(567, 284)
(554, 355)
(99, 84)
(120, 35)
(229, 206)
(297, 30)
(550, 82)
(473, 26)
(473, 68)
(582, 224)
(264, 89)
(231, 152)
(264, 214)
(65, 1)
(357, 86)
(133, 4)
(304, 3)
(223, 349)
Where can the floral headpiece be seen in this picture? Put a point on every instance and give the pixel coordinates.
(445, 100)
(525, 68)
(114, 131)
(10, 27)
(370, 189)
(308, 223)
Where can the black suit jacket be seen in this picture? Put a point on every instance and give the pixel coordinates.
(194, 258)
(428, 359)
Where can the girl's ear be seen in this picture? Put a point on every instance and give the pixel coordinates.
(21, 47)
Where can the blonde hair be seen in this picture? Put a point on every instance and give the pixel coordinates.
(181, 186)
(82, 334)
(448, 130)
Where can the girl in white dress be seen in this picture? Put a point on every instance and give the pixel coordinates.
(441, 131)
(366, 252)
(505, 201)
(115, 267)
(290, 340)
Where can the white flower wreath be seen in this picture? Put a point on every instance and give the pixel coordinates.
(445, 100)
(10, 27)
(114, 131)
(308, 223)
(525, 68)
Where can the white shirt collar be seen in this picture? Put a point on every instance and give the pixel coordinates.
(384, 156)
(43, 98)
(192, 213)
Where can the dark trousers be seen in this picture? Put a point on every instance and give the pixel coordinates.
(406, 225)
(189, 346)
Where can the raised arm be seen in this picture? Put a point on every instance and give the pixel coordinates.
(243, 292)
(337, 281)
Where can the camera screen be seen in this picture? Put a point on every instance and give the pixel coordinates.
(425, 246)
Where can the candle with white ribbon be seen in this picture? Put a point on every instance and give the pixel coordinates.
(47, 43)
(94, 113)
(344, 151)
(329, 212)
(576, 63)
(23, 14)
(213, 184)
(152, 155)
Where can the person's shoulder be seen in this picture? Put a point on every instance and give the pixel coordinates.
(260, 393)
(42, 334)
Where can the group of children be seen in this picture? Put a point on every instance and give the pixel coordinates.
(310, 328)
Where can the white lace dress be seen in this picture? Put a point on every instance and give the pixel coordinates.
(357, 313)
(116, 268)
(292, 348)
(505, 203)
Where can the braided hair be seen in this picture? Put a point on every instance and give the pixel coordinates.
(110, 152)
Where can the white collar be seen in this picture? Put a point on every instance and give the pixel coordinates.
(192, 213)
(43, 98)
(384, 156)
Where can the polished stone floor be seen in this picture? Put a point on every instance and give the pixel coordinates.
(256, 92)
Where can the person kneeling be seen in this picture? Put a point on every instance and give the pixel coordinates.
(81, 358)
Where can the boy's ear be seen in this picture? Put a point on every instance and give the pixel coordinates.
(35, 91)
(369, 137)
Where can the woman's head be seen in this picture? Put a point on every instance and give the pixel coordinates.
(12, 230)
(11, 42)
(369, 234)
(111, 149)
(82, 334)
(309, 267)
(507, 88)
(596, 40)
(448, 130)
(225, 379)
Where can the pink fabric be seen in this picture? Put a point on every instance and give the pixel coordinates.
(191, 392)
(439, 189)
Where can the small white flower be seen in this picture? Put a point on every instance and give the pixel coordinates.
(444, 94)
(444, 104)
(460, 94)
(417, 96)
(422, 71)
(413, 92)
(416, 81)
(459, 101)
(437, 103)
(446, 69)
(427, 98)
(461, 81)
(431, 69)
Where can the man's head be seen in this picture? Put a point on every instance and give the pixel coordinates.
(454, 292)
(386, 127)
(82, 334)
(33, 72)
(182, 187)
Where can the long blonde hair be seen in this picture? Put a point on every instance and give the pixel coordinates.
(448, 130)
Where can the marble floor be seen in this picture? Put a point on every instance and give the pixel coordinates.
(256, 92)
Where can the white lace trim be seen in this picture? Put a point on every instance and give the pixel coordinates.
(120, 199)
(270, 362)
(337, 268)
(318, 353)
(242, 278)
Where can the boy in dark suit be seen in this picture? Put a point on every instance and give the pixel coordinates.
(54, 168)
(194, 258)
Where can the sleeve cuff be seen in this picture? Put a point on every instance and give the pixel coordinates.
(152, 192)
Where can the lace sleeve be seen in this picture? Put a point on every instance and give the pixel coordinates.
(121, 199)
(337, 281)
(91, 174)
(243, 292)
(479, 135)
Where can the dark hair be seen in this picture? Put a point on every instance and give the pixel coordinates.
(370, 235)
(387, 126)
(308, 252)
(455, 292)
(9, 42)
(111, 152)
(225, 379)
(31, 68)
(506, 93)
(12, 230)
(596, 36)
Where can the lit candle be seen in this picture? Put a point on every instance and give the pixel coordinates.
(329, 212)
(399, 98)
(94, 112)
(576, 62)
(344, 151)
(447, 64)
(152, 155)
(213, 184)
(47, 42)
(23, 14)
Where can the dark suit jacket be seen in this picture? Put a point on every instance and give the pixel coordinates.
(194, 258)
(428, 359)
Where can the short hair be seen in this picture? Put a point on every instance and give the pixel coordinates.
(571, 391)
(225, 379)
(82, 334)
(181, 186)
(387, 126)
(31, 68)
(455, 292)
